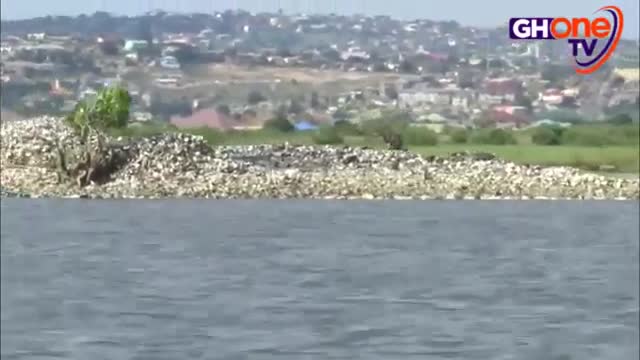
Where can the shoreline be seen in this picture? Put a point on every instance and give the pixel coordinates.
(170, 166)
(329, 198)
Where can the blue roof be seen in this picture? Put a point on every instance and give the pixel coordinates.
(305, 126)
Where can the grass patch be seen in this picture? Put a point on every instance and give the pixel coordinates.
(622, 158)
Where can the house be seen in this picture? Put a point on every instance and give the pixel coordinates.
(434, 96)
(503, 88)
(509, 117)
(135, 45)
(36, 36)
(170, 81)
(628, 74)
(552, 97)
(170, 62)
(512, 110)
(208, 118)
(436, 118)
(355, 53)
(140, 116)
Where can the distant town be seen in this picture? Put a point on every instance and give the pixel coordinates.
(235, 70)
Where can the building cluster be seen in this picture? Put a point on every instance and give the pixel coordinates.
(439, 72)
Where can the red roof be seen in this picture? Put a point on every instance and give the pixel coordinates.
(204, 118)
(504, 117)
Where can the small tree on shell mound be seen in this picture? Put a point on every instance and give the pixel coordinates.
(96, 163)
(109, 110)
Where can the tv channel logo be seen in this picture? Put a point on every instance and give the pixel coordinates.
(583, 34)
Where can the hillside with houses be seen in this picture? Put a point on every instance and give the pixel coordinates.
(236, 70)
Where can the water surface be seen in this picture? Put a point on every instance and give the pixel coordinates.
(319, 280)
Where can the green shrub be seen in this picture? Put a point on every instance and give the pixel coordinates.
(459, 136)
(620, 119)
(347, 128)
(389, 122)
(599, 135)
(279, 123)
(494, 137)
(327, 135)
(546, 136)
(255, 97)
(108, 110)
(419, 136)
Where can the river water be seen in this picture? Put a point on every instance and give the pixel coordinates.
(319, 280)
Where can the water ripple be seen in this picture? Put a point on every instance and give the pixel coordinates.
(319, 280)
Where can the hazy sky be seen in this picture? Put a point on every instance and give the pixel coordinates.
(467, 12)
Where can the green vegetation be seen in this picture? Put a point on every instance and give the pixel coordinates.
(279, 123)
(419, 136)
(602, 135)
(346, 128)
(327, 135)
(108, 110)
(547, 136)
(621, 158)
(459, 136)
(493, 137)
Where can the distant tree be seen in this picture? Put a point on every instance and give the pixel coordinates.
(167, 109)
(281, 111)
(110, 48)
(341, 115)
(255, 97)
(617, 81)
(419, 136)
(224, 109)
(555, 73)
(494, 137)
(466, 84)
(390, 126)
(295, 107)
(250, 113)
(449, 26)
(379, 67)
(315, 103)
(231, 52)
(279, 123)
(391, 92)
(459, 136)
(144, 31)
(347, 128)
(620, 119)
(327, 135)
(545, 135)
(524, 100)
(284, 52)
(331, 55)
(568, 102)
(186, 55)
(407, 66)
